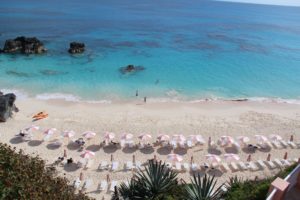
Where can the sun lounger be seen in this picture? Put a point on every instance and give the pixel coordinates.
(252, 166)
(292, 144)
(284, 143)
(261, 164)
(278, 162)
(113, 185)
(87, 184)
(103, 185)
(276, 145)
(194, 167)
(173, 144)
(234, 166)
(178, 166)
(114, 165)
(294, 160)
(225, 167)
(138, 165)
(242, 166)
(189, 144)
(286, 162)
(270, 164)
(186, 166)
(129, 165)
(103, 165)
(77, 183)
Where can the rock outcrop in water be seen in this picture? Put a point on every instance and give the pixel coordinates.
(24, 45)
(76, 47)
(131, 69)
(7, 106)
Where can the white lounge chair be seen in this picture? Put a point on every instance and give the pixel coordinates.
(189, 144)
(278, 162)
(87, 184)
(103, 185)
(252, 166)
(114, 165)
(285, 162)
(242, 165)
(276, 145)
(270, 164)
(261, 164)
(113, 185)
(129, 165)
(103, 165)
(225, 167)
(77, 183)
(284, 143)
(234, 166)
(186, 166)
(292, 144)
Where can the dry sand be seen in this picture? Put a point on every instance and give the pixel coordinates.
(206, 118)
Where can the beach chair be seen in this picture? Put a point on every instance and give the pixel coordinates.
(294, 160)
(292, 144)
(194, 167)
(89, 164)
(114, 165)
(225, 167)
(103, 185)
(178, 166)
(284, 143)
(103, 165)
(189, 144)
(234, 166)
(113, 185)
(278, 162)
(138, 165)
(186, 166)
(270, 164)
(77, 183)
(252, 166)
(276, 145)
(286, 162)
(242, 165)
(87, 184)
(261, 164)
(129, 165)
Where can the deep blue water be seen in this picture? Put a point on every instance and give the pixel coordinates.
(191, 49)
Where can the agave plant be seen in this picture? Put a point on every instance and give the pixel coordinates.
(154, 183)
(203, 188)
(234, 182)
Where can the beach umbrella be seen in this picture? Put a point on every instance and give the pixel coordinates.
(109, 136)
(89, 134)
(261, 138)
(285, 155)
(230, 157)
(50, 131)
(275, 137)
(163, 137)
(126, 136)
(292, 138)
(243, 139)
(32, 128)
(175, 157)
(88, 154)
(68, 134)
(226, 140)
(145, 137)
(213, 158)
(178, 138)
(249, 158)
(196, 138)
(269, 157)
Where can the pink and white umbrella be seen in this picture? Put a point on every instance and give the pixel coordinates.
(163, 137)
(261, 138)
(243, 139)
(226, 140)
(213, 158)
(178, 138)
(175, 157)
(145, 137)
(88, 154)
(274, 137)
(32, 128)
(50, 131)
(196, 138)
(89, 134)
(109, 136)
(126, 136)
(230, 157)
(68, 134)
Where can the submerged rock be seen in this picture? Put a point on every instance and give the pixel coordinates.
(49, 72)
(76, 47)
(18, 74)
(24, 45)
(131, 69)
(7, 106)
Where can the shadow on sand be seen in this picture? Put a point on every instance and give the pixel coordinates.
(71, 167)
(34, 143)
(164, 150)
(93, 147)
(16, 140)
(147, 150)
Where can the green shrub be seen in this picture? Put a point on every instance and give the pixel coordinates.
(26, 177)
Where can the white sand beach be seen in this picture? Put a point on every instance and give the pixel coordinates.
(206, 118)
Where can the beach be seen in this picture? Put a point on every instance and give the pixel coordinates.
(208, 118)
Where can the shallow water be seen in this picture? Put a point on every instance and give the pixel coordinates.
(190, 49)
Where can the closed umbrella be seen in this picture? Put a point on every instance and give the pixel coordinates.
(163, 137)
(88, 154)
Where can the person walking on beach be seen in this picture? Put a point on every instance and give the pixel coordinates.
(145, 99)
(136, 93)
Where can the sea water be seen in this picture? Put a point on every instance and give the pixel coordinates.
(190, 50)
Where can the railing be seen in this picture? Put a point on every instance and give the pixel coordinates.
(291, 178)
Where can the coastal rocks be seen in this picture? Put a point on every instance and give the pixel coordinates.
(76, 47)
(131, 68)
(7, 106)
(24, 45)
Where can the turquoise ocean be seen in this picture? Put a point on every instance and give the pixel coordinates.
(191, 50)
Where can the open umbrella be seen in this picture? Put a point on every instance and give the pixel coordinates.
(226, 140)
(32, 128)
(109, 136)
(213, 158)
(89, 134)
(145, 137)
(88, 154)
(243, 139)
(261, 138)
(126, 136)
(175, 157)
(178, 138)
(196, 138)
(68, 134)
(50, 131)
(275, 137)
(230, 157)
(163, 137)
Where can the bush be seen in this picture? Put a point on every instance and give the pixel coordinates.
(26, 177)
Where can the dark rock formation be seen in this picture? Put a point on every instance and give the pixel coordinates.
(76, 47)
(24, 45)
(131, 68)
(7, 106)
